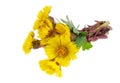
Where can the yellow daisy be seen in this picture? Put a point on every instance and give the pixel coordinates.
(61, 49)
(50, 67)
(43, 23)
(62, 30)
(28, 42)
(44, 28)
(43, 14)
(59, 30)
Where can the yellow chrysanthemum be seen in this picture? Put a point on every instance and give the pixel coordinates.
(44, 28)
(61, 49)
(43, 23)
(62, 30)
(28, 42)
(50, 67)
(43, 14)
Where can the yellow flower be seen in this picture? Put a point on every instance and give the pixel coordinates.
(43, 23)
(28, 42)
(61, 49)
(62, 30)
(43, 14)
(44, 28)
(50, 67)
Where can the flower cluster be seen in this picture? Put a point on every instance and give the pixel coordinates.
(61, 40)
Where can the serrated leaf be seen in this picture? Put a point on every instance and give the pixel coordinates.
(81, 42)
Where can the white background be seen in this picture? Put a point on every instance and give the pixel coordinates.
(101, 64)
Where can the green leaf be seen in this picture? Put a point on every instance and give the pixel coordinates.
(78, 26)
(81, 42)
(75, 30)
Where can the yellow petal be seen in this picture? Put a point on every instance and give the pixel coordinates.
(28, 42)
(50, 67)
(63, 61)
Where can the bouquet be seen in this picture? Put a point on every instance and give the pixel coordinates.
(61, 40)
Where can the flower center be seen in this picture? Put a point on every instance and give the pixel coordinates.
(62, 51)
